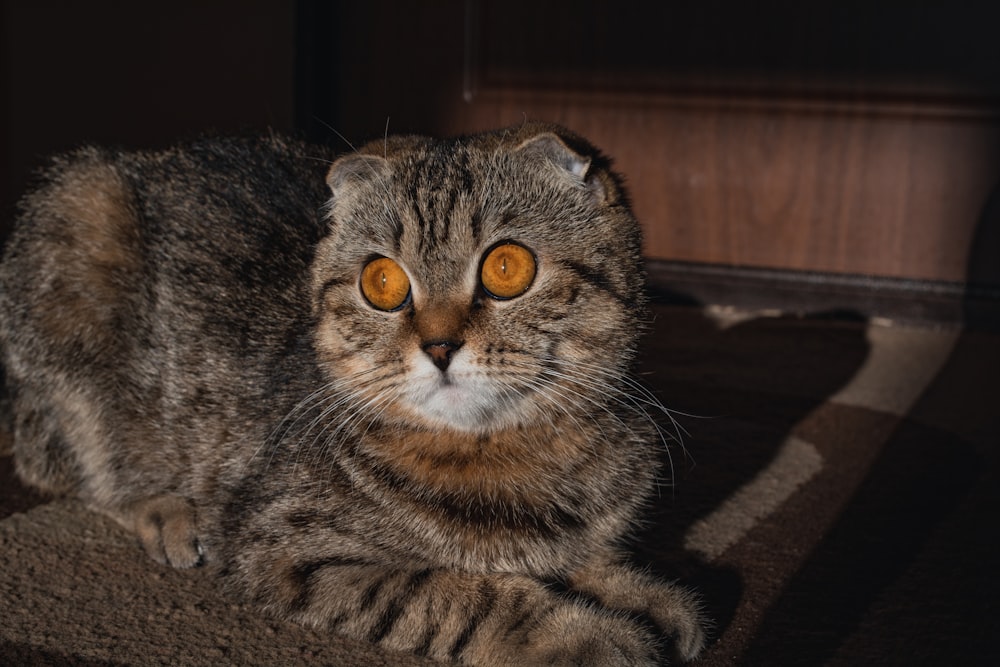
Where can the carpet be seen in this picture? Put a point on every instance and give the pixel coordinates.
(834, 500)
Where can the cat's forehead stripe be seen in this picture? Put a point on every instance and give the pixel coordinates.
(439, 182)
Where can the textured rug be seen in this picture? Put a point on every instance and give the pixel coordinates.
(835, 499)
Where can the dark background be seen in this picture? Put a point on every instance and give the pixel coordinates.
(848, 138)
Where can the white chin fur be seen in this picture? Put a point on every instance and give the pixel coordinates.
(461, 399)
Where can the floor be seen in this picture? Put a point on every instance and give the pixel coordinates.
(834, 499)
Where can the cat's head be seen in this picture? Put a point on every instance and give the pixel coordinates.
(477, 283)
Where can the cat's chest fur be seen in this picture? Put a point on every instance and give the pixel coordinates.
(521, 500)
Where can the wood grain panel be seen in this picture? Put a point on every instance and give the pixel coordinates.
(847, 137)
(881, 192)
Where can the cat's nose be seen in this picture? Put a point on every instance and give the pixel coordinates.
(440, 352)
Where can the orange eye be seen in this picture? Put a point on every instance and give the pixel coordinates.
(384, 284)
(508, 271)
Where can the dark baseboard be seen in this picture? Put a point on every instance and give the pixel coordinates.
(750, 288)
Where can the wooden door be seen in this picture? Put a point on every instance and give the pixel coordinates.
(846, 137)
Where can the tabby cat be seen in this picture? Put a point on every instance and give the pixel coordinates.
(387, 397)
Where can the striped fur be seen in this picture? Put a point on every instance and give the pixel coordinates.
(188, 350)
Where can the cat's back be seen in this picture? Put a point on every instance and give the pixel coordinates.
(222, 224)
(143, 288)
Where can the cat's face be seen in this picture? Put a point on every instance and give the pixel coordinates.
(477, 284)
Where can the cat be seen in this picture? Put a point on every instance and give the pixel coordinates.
(385, 394)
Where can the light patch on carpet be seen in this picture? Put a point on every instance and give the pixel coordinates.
(901, 362)
(796, 462)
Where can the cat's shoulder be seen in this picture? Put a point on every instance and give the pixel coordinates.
(87, 164)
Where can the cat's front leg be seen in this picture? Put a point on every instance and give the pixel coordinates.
(496, 619)
(166, 526)
(676, 611)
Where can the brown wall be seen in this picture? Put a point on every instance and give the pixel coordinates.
(893, 191)
(844, 136)
(847, 136)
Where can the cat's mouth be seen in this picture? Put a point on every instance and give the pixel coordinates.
(457, 402)
(459, 398)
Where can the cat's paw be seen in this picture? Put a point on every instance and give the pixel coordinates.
(575, 636)
(675, 611)
(167, 528)
(678, 613)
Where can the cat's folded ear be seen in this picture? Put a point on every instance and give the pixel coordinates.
(580, 166)
(354, 169)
